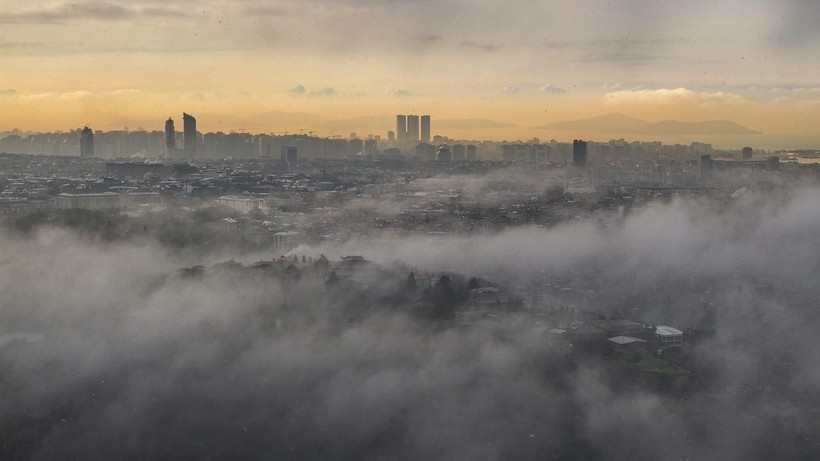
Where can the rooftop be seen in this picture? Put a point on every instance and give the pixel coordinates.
(663, 330)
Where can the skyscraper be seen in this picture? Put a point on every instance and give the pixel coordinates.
(459, 152)
(471, 152)
(86, 142)
(401, 127)
(425, 128)
(189, 135)
(413, 127)
(705, 166)
(170, 138)
(579, 153)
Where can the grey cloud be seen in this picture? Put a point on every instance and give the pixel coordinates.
(799, 23)
(427, 40)
(101, 11)
(323, 92)
(485, 47)
(621, 58)
(400, 93)
(268, 11)
(553, 89)
(510, 90)
(297, 90)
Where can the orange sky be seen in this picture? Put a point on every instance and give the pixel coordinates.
(109, 65)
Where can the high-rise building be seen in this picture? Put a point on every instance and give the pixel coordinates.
(370, 147)
(459, 152)
(86, 142)
(471, 152)
(189, 135)
(747, 152)
(425, 151)
(443, 153)
(401, 127)
(391, 136)
(289, 154)
(355, 146)
(413, 127)
(425, 128)
(170, 138)
(579, 153)
(705, 166)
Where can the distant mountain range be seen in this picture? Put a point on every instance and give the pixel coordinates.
(610, 124)
(270, 121)
(620, 123)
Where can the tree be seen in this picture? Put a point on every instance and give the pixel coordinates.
(444, 299)
(410, 283)
(472, 284)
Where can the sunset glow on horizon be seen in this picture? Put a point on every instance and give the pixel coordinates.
(524, 65)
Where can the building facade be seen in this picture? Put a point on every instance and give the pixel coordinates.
(425, 128)
(86, 142)
(189, 135)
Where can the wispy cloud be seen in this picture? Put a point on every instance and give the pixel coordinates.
(297, 90)
(485, 47)
(400, 93)
(98, 11)
(667, 95)
(621, 58)
(553, 89)
(323, 92)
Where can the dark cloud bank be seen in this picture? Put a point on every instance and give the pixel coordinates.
(136, 362)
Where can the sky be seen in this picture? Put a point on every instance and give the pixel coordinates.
(527, 62)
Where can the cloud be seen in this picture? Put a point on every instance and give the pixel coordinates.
(244, 365)
(552, 89)
(510, 90)
(84, 11)
(323, 92)
(8, 92)
(621, 58)
(74, 95)
(667, 95)
(485, 47)
(400, 93)
(426, 41)
(297, 90)
(799, 23)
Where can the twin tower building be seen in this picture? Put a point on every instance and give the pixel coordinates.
(409, 129)
(189, 137)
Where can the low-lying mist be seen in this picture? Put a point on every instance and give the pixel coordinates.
(127, 359)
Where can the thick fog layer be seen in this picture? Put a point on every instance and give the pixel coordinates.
(118, 356)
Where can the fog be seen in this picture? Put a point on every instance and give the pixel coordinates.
(123, 358)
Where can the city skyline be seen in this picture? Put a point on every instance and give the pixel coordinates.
(523, 67)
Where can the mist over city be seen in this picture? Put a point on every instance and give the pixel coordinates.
(409, 230)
